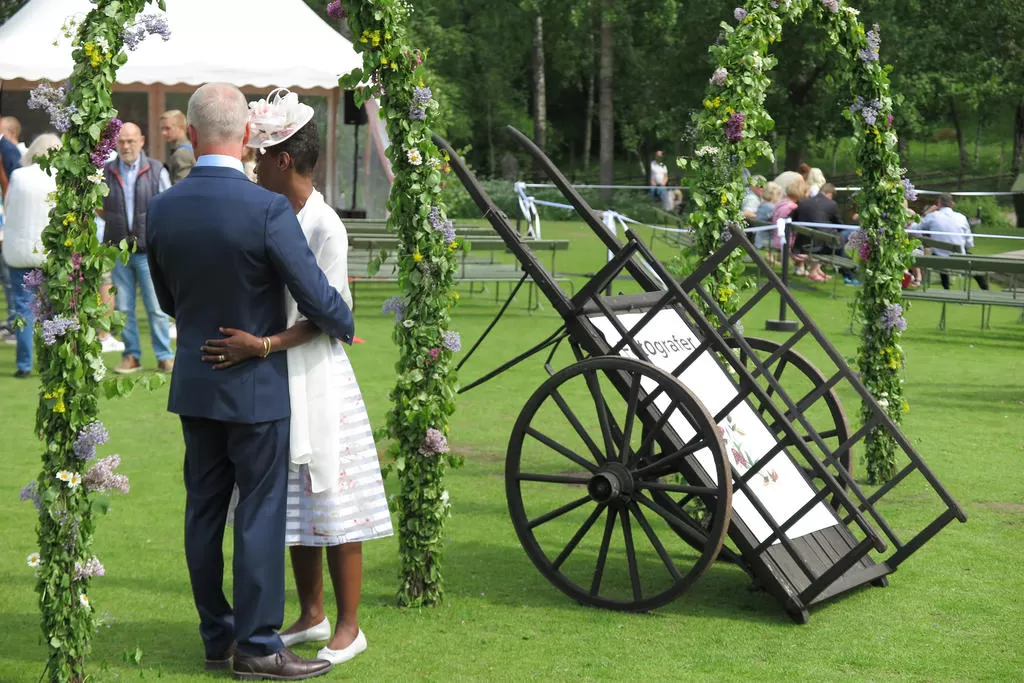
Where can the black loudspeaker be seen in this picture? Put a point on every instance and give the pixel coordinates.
(354, 116)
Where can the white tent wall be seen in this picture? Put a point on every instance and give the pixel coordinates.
(199, 51)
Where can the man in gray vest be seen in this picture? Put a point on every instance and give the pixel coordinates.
(134, 179)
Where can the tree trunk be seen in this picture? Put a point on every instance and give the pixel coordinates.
(977, 141)
(961, 145)
(540, 108)
(606, 106)
(588, 121)
(774, 136)
(796, 148)
(492, 162)
(835, 153)
(1018, 139)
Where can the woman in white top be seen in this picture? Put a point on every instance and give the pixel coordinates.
(336, 497)
(28, 205)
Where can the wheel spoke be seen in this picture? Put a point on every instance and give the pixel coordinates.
(557, 512)
(602, 410)
(679, 488)
(627, 426)
(685, 530)
(552, 478)
(559, 448)
(578, 536)
(602, 555)
(651, 435)
(627, 536)
(673, 458)
(655, 541)
(578, 426)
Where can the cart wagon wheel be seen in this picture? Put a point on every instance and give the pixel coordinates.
(592, 445)
(838, 429)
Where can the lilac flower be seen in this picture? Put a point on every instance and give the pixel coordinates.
(857, 240)
(434, 443)
(417, 113)
(831, 5)
(739, 13)
(870, 53)
(107, 143)
(394, 305)
(734, 128)
(92, 435)
(421, 95)
(148, 24)
(718, 78)
(92, 568)
(869, 111)
(58, 327)
(892, 318)
(33, 278)
(335, 10)
(443, 225)
(52, 101)
(909, 191)
(40, 305)
(30, 491)
(101, 476)
(451, 340)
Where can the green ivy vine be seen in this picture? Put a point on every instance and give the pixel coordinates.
(424, 394)
(731, 131)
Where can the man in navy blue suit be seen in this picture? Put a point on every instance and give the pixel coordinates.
(222, 250)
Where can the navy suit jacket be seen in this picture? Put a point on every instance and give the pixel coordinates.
(221, 252)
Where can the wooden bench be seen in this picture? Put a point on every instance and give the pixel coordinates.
(838, 261)
(472, 270)
(969, 266)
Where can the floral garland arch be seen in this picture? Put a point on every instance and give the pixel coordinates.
(424, 394)
(730, 132)
(67, 313)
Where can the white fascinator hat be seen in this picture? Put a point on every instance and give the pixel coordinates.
(277, 118)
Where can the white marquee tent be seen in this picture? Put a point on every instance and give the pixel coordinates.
(211, 40)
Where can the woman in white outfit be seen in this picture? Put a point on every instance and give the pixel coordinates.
(336, 498)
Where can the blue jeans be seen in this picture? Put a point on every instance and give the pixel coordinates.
(127, 278)
(21, 298)
(5, 280)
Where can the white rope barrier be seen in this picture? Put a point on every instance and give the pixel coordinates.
(838, 189)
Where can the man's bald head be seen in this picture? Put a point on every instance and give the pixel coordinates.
(218, 118)
(130, 142)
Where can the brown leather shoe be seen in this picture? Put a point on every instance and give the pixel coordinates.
(219, 661)
(165, 366)
(128, 365)
(283, 665)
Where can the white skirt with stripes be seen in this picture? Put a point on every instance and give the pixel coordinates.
(356, 508)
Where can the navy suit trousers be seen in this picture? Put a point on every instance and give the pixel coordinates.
(255, 456)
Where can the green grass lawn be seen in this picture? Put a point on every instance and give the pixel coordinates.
(952, 612)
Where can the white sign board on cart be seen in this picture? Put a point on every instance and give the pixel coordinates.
(780, 486)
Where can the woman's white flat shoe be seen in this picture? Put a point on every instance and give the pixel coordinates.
(338, 656)
(321, 631)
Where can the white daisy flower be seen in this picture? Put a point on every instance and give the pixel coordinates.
(34, 560)
(64, 476)
(84, 600)
(74, 480)
(414, 156)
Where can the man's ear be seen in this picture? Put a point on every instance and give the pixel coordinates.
(284, 161)
(193, 137)
(245, 137)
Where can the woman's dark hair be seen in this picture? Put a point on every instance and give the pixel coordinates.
(303, 147)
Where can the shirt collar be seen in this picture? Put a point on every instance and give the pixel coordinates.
(129, 167)
(221, 160)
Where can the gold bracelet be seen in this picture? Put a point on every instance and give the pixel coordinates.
(266, 346)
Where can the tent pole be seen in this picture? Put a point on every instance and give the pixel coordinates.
(331, 181)
(156, 102)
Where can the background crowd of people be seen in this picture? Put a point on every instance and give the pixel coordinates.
(133, 179)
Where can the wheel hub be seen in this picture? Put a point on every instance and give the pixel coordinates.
(612, 481)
